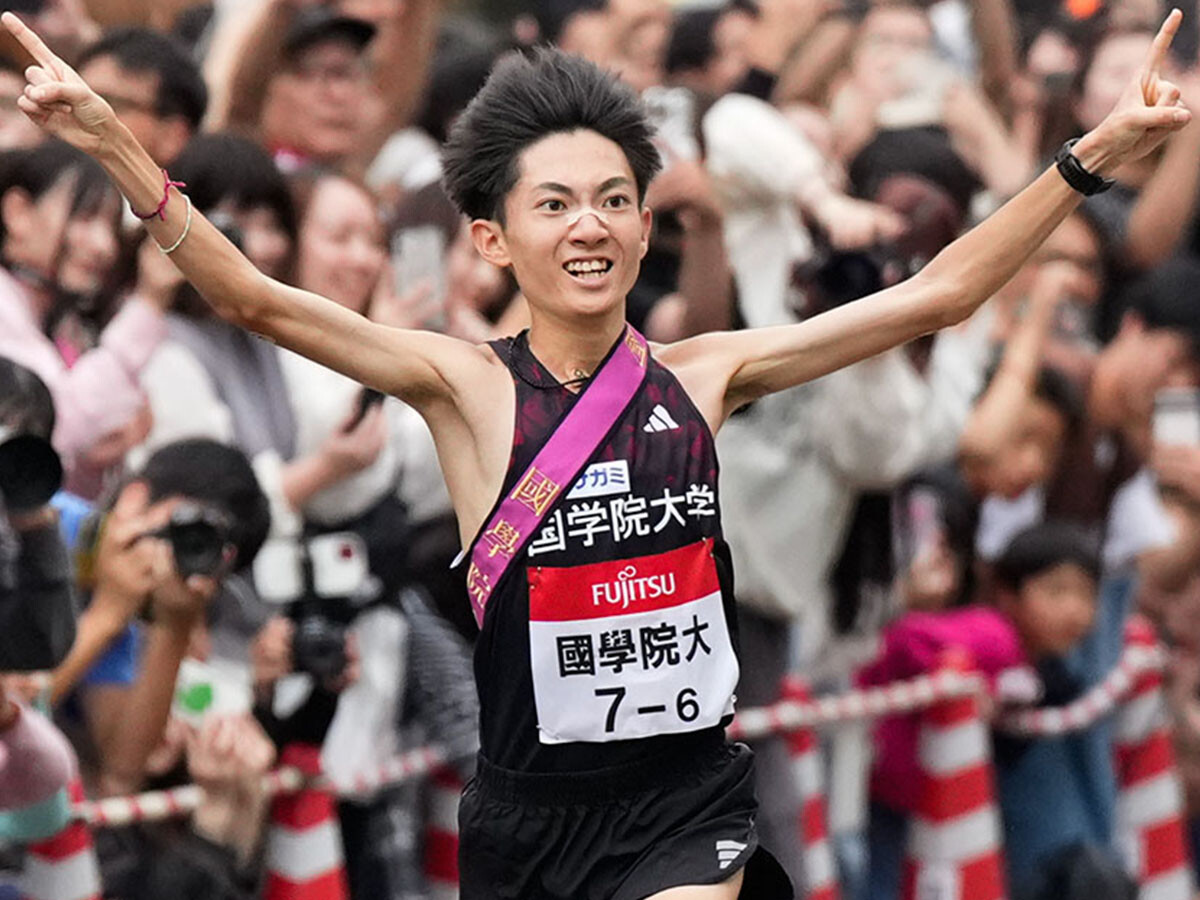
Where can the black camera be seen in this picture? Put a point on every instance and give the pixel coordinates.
(30, 470)
(325, 583)
(199, 538)
(319, 637)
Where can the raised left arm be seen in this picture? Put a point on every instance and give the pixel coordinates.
(958, 280)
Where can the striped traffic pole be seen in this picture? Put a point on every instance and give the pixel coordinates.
(816, 853)
(63, 867)
(954, 845)
(304, 858)
(1150, 814)
(441, 835)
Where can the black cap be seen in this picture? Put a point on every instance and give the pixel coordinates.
(318, 23)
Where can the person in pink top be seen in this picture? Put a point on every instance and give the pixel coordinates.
(58, 239)
(1046, 583)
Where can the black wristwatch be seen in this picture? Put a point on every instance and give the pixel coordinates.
(1073, 172)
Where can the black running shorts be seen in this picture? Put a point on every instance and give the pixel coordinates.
(615, 834)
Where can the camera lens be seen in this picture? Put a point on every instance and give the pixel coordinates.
(30, 471)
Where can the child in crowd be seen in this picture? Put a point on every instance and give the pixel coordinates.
(1045, 602)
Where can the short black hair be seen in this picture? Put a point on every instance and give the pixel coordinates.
(692, 45)
(36, 170)
(1042, 547)
(217, 475)
(923, 151)
(26, 405)
(528, 98)
(223, 167)
(181, 88)
(1055, 388)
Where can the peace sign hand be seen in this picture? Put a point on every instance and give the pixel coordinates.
(56, 98)
(1150, 108)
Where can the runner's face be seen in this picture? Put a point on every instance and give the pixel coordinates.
(574, 232)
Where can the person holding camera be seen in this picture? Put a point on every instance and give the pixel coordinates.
(37, 602)
(37, 606)
(194, 515)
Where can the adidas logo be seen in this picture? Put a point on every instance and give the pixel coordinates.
(660, 420)
(727, 852)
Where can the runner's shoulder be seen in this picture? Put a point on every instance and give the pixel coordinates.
(710, 348)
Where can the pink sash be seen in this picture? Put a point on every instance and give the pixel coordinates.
(519, 515)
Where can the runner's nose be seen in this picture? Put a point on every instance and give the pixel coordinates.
(588, 226)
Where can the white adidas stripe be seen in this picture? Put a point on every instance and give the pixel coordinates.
(664, 416)
(660, 420)
(728, 851)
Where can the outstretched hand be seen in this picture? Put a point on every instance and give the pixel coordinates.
(56, 98)
(1150, 108)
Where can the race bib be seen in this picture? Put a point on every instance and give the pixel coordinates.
(630, 648)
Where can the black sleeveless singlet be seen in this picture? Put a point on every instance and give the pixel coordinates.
(647, 498)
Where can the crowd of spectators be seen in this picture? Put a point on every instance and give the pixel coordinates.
(1017, 486)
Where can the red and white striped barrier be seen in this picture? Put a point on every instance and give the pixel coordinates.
(304, 843)
(1150, 816)
(893, 699)
(816, 852)
(787, 716)
(154, 806)
(1137, 660)
(63, 867)
(954, 845)
(441, 838)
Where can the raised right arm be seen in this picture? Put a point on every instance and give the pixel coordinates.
(421, 367)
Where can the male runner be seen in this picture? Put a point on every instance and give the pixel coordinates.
(606, 661)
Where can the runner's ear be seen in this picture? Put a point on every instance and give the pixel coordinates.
(489, 242)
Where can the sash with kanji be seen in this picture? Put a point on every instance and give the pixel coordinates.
(519, 514)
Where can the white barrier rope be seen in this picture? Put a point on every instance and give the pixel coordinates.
(1097, 703)
(892, 699)
(780, 718)
(155, 806)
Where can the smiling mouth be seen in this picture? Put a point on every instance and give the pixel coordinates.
(588, 269)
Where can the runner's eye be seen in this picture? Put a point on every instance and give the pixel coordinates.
(552, 205)
(617, 201)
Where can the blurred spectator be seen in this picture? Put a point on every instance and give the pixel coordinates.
(350, 482)
(304, 80)
(218, 855)
(37, 600)
(1046, 604)
(152, 84)
(135, 573)
(211, 379)
(58, 242)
